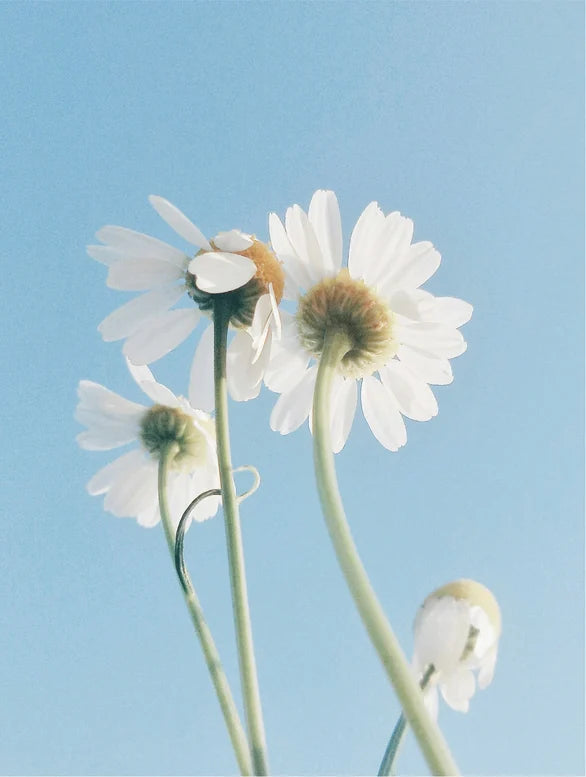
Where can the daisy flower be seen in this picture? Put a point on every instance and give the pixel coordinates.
(456, 631)
(232, 263)
(130, 481)
(401, 337)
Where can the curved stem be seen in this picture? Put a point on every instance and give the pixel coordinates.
(248, 675)
(392, 751)
(212, 658)
(431, 741)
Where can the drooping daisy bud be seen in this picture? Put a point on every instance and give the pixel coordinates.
(243, 299)
(456, 634)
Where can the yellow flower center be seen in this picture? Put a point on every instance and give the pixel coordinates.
(243, 300)
(343, 304)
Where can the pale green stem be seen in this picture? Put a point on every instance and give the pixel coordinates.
(387, 766)
(431, 741)
(248, 674)
(211, 655)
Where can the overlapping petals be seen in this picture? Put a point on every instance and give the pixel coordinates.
(460, 640)
(425, 327)
(129, 483)
(149, 324)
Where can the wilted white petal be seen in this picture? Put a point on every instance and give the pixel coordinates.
(487, 667)
(234, 240)
(324, 217)
(179, 222)
(382, 415)
(160, 335)
(364, 237)
(217, 272)
(201, 378)
(126, 319)
(414, 397)
(292, 407)
(137, 245)
(141, 274)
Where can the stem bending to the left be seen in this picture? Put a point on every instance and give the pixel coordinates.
(211, 655)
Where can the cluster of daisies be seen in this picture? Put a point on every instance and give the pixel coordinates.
(282, 299)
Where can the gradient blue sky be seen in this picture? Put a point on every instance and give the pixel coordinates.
(467, 117)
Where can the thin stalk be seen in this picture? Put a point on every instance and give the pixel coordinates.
(387, 766)
(212, 658)
(248, 674)
(431, 741)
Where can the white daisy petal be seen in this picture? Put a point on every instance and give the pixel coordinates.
(382, 415)
(303, 239)
(160, 335)
(324, 217)
(95, 397)
(120, 467)
(126, 319)
(141, 274)
(104, 254)
(431, 369)
(286, 367)
(390, 249)
(136, 245)
(458, 689)
(294, 267)
(430, 699)
(234, 240)
(245, 367)
(201, 378)
(276, 322)
(343, 408)
(145, 380)
(414, 397)
(179, 222)
(421, 262)
(434, 339)
(364, 237)
(293, 407)
(217, 272)
(128, 494)
(486, 672)
(449, 311)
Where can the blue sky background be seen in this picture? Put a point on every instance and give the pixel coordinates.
(467, 117)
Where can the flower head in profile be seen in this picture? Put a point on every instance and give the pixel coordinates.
(456, 635)
(400, 337)
(232, 263)
(171, 424)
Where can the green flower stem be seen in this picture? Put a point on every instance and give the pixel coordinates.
(212, 657)
(392, 751)
(248, 675)
(431, 741)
